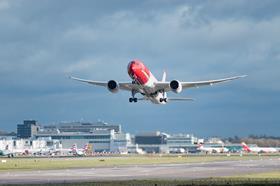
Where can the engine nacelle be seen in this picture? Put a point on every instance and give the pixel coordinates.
(113, 86)
(175, 86)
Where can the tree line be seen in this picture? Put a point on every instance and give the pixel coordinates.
(259, 140)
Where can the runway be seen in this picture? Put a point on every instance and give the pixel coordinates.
(163, 171)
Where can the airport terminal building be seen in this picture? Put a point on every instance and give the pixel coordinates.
(157, 142)
(102, 138)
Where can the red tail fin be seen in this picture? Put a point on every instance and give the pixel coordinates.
(74, 148)
(86, 147)
(245, 147)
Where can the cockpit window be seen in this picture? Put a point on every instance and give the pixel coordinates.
(129, 69)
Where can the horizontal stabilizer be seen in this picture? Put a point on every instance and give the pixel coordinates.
(180, 99)
(143, 99)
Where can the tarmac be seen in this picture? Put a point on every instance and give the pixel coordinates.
(143, 172)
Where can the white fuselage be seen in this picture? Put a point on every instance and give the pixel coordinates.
(149, 90)
(263, 149)
(213, 149)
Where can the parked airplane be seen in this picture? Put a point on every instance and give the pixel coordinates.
(258, 149)
(7, 153)
(11, 153)
(145, 83)
(39, 151)
(79, 152)
(212, 149)
(177, 150)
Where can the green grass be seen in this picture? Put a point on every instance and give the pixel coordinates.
(264, 175)
(196, 182)
(64, 163)
(268, 178)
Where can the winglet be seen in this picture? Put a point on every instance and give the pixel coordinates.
(243, 76)
(78, 79)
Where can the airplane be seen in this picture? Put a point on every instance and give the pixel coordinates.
(79, 152)
(145, 83)
(258, 149)
(11, 153)
(66, 151)
(177, 150)
(212, 149)
(39, 151)
(7, 153)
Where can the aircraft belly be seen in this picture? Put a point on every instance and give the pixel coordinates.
(156, 99)
(149, 87)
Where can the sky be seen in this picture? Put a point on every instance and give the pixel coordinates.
(43, 42)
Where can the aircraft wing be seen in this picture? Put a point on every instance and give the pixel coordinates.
(123, 85)
(129, 86)
(165, 85)
(98, 83)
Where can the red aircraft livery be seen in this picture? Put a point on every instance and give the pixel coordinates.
(139, 72)
(144, 83)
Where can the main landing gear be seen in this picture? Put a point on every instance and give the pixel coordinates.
(163, 100)
(164, 97)
(133, 98)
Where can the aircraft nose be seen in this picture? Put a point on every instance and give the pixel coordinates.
(132, 65)
(131, 68)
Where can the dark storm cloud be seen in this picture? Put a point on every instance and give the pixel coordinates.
(42, 42)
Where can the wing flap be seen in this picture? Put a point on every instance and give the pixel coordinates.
(129, 86)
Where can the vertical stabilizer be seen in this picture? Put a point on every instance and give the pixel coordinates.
(163, 77)
(85, 148)
(74, 148)
(245, 147)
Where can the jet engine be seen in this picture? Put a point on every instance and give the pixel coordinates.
(175, 86)
(113, 86)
